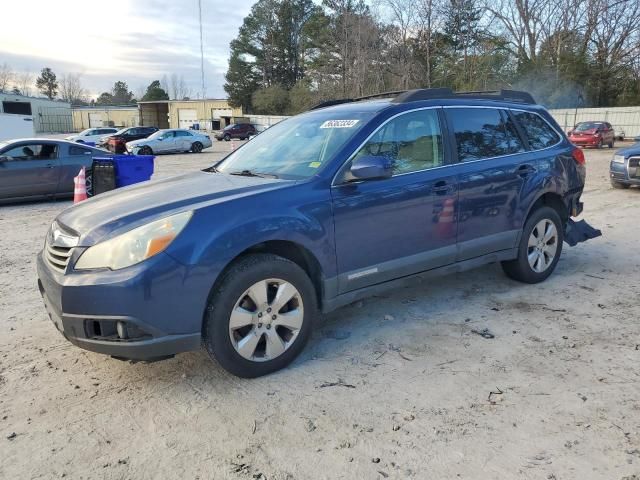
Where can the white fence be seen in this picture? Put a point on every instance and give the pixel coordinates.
(623, 119)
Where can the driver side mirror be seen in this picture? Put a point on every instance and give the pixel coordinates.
(371, 167)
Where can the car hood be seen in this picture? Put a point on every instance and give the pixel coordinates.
(115, 212)
(630, 151)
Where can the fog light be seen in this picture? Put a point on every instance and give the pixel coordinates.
(122, 330)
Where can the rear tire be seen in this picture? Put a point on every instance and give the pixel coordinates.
(539, 249)
(253, 338)
(618, 185)
(611, 143)
(196, 147)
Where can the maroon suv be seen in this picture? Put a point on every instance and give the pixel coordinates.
(241, 131)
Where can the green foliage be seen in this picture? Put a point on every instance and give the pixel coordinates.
(47, 83)
(273, 100)
(291, 54)
(155, 92)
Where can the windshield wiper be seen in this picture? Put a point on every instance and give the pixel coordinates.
(251, 173)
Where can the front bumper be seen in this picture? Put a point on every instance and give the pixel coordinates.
(627, 173)
(585, 141)
(85, 307)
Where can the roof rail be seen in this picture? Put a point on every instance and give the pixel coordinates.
(330, 103)
(405, 96)
(435, 93)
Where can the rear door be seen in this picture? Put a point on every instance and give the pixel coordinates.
(72, 159)
(492, 174)
(29, 169)
(183, 140)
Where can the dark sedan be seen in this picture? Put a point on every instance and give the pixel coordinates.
(117, 142)
(37, 168)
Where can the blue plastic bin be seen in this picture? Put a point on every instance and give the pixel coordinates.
(132, 169)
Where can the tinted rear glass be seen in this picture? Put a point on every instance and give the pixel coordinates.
(482, 133)
(539, 132)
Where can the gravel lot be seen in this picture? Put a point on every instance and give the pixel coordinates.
(393, 387)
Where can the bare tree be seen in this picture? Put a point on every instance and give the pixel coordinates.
(177, 88)
(71, 89)
(6, 77)
(24, 82)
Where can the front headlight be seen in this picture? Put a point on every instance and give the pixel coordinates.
(135, 245)
(618, 159)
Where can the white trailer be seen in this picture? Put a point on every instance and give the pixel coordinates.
(16, 126)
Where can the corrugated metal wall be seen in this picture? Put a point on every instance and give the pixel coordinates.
(625, 119)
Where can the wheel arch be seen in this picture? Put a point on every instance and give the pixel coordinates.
(553, 200)
(291, 250)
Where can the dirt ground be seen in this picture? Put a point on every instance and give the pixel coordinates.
(396, 386)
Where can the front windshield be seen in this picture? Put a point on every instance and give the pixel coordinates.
(229, 127)
(587, 126)
(297, 147)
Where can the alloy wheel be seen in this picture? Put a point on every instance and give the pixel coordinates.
(266, 320)
(542, 246)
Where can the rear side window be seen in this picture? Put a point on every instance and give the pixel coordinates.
(74, 150)
(539, 132)
(483, 133)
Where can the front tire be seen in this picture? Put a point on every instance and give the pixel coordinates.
(539, 249)
(260, 315)
(611, 143)
(227, 137)
(146, 150)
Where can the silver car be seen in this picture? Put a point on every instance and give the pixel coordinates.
(170, 141)
(36, 168)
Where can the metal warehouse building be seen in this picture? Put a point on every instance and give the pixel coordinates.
(49, 116)
(210, 114)
(106, 116)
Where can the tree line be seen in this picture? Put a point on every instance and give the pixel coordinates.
(69, 88)
(291, 54)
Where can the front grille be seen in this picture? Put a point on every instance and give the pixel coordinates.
(57, 257)
(58, 247)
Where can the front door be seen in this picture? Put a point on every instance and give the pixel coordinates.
(76, 157)
(166, 142)
(389, 228)
(492, 171)
(29, 169)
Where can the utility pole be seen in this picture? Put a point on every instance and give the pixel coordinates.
(201, 49)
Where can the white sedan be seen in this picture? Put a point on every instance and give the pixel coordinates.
(91, 135)
(170, 141)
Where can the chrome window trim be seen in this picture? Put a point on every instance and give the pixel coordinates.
(560, 136)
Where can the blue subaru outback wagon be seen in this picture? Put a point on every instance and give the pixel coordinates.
(322, 209)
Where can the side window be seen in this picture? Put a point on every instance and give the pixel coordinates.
(74, 150)
(483, 133)
(412, 142)
(539, 132)
(36, 151)
(183, 134)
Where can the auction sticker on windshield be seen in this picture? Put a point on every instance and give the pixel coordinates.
(339, 123)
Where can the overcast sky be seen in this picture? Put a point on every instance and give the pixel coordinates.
(132, 40)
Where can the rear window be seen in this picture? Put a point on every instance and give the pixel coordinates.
(539, 132)
(483, 133)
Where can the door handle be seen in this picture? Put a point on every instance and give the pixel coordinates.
(525, 170)
(441, 188)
